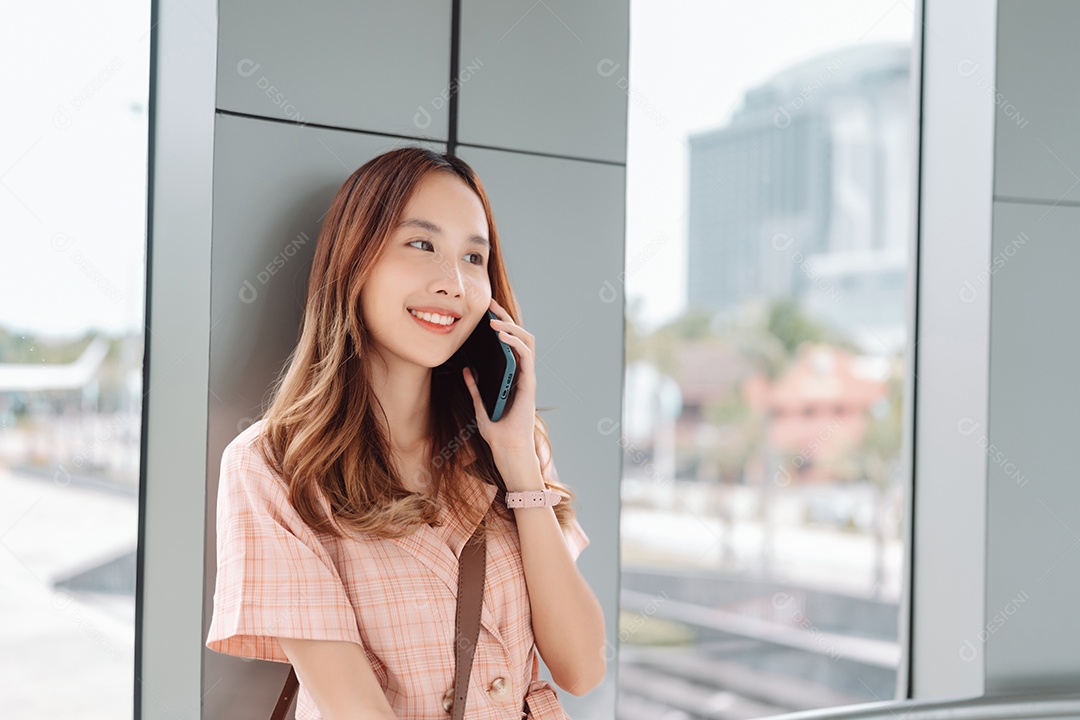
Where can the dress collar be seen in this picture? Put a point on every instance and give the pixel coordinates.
(478, 494)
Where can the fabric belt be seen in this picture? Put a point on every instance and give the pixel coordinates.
(542, 702)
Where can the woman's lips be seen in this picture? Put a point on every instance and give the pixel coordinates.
(432, 327)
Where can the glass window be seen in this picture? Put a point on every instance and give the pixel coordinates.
(768, 225)
(73, 210)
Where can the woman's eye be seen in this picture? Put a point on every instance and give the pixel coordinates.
(479, 256)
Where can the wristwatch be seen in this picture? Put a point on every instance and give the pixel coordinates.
(532, 498)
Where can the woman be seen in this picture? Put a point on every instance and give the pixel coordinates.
(343, 511)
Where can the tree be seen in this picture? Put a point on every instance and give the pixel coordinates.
(878, 457)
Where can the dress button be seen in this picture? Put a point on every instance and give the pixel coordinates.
(499, 687)
(448, 700)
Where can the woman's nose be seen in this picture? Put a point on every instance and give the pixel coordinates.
(449, 279)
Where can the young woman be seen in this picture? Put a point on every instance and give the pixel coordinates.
(342, 512)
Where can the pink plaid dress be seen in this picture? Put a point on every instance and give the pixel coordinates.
(396, 598)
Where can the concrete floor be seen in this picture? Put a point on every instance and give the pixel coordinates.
(66, 654)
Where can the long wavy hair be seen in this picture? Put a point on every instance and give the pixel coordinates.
(321, 435)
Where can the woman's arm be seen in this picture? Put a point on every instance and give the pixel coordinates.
(567, 619)
(339, 677)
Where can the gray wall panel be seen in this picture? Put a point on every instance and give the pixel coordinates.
(560, 224)
(273, 183)
(547, 77)
(379, 65)
(1033, 516)
(1033, 519)
(1038, 100)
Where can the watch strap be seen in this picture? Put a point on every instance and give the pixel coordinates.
(532, 498)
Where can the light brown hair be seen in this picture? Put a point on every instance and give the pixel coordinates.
(321, 433)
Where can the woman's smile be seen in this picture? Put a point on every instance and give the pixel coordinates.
(441, 324)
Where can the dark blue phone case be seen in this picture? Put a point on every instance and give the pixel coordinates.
(493, 364)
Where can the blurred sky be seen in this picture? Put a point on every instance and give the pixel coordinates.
(73, 154)
(73, 165)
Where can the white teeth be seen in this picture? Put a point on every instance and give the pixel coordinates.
(433, 318)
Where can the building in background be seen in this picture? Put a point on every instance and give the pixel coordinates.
(804, 194)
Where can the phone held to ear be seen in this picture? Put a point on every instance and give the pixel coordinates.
(493, 365)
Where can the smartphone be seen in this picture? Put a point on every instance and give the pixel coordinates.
(493, 364)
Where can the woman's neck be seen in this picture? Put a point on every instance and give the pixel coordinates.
(404, 393)
(413, 466)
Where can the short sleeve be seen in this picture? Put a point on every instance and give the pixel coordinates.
(274, 577)
(576, 539)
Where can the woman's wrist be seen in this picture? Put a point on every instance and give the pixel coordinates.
(521, 471)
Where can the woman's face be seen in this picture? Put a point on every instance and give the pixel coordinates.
(436, 259)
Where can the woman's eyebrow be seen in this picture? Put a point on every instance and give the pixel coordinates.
(433, 228)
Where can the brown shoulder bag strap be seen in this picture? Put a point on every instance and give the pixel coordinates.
(287, 694)
(466, 625)
(469, 603)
